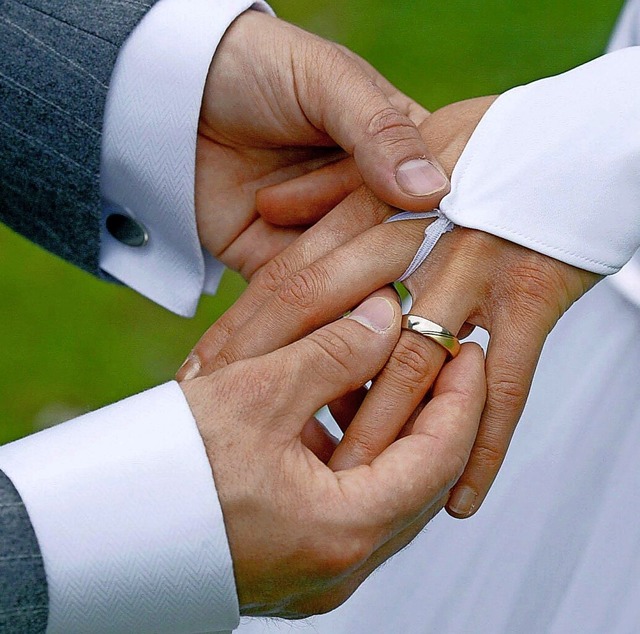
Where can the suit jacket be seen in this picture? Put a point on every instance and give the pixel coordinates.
(56, 58)
(23, 585)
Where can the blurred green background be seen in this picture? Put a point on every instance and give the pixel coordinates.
(70, 343)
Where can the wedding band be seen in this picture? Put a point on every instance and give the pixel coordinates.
(433, 331)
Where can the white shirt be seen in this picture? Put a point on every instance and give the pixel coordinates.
(122, 500)
(172, 571)
(149, 149)
(627, 33)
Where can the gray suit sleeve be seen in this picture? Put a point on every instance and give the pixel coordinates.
(56, 58)
(23, 584)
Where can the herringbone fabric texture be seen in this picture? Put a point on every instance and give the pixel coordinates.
(23, 584)
(56, 58)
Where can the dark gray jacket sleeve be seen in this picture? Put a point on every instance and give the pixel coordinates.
(23, 584)
(56, 58)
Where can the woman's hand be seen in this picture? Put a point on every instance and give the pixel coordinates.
(470, 278)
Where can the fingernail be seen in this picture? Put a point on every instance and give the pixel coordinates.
(463, 501)
(376, 313)
(419, 177)
(190, 368)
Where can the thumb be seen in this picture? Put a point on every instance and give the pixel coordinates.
(340, 357)
(341, 98)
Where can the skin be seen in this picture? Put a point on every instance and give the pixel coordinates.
(303, 536)
(279, 103)
(471, 278)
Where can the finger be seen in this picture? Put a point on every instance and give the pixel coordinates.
(409, 374)
(306, 199)
(257, 245)
(234, 188)
(409, 483)
(316, 437)
(391, 155)
(346, 407)
(419, 469)
(360, 211)
(511, 361)
(338, 358)
(324, 290)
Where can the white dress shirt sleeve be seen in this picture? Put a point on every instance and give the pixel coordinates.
(555, 166)
(128, 521)
(148, 150)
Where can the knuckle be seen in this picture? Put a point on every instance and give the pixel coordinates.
(339, 557)
(507, 391)
(218, 335)
(225, 357)
(303, 289)
(338, 352)
(364, 444)
(389, 122)
(541, 286)
(410, 362)
(533, 281)
(271, 276)
(487, 456)
(365, 207)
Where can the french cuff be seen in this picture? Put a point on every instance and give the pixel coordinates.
(149, 238)
(554, 166)
(126, 513)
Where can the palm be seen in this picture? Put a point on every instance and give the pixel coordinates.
(279, 103)
(227, 179)
(259, 138)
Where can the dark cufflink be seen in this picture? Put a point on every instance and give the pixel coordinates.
(127, 230)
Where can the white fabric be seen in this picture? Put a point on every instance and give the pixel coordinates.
(627, 33)
(627, 29)
(148, 151)
(122, 500)
(581, 127)
(432, 234)
(627, 281)
(126, 514)
(136, 548)
(555, 547)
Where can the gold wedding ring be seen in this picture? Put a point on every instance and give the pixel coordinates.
(433, 331)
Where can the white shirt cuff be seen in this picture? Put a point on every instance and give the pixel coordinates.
(148, 149)
(126, 513)
(554, 166)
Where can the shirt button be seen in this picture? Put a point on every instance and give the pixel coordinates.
(127, 230)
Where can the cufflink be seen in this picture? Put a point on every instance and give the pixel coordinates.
(127, 230)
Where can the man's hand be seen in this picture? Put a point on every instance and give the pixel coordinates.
(302, 536)
(279, 103)
(471, 278)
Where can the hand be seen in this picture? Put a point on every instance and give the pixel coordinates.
(303, 537)
(471, 278)
(280, 102)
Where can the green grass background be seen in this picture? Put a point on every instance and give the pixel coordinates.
(70, 343)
